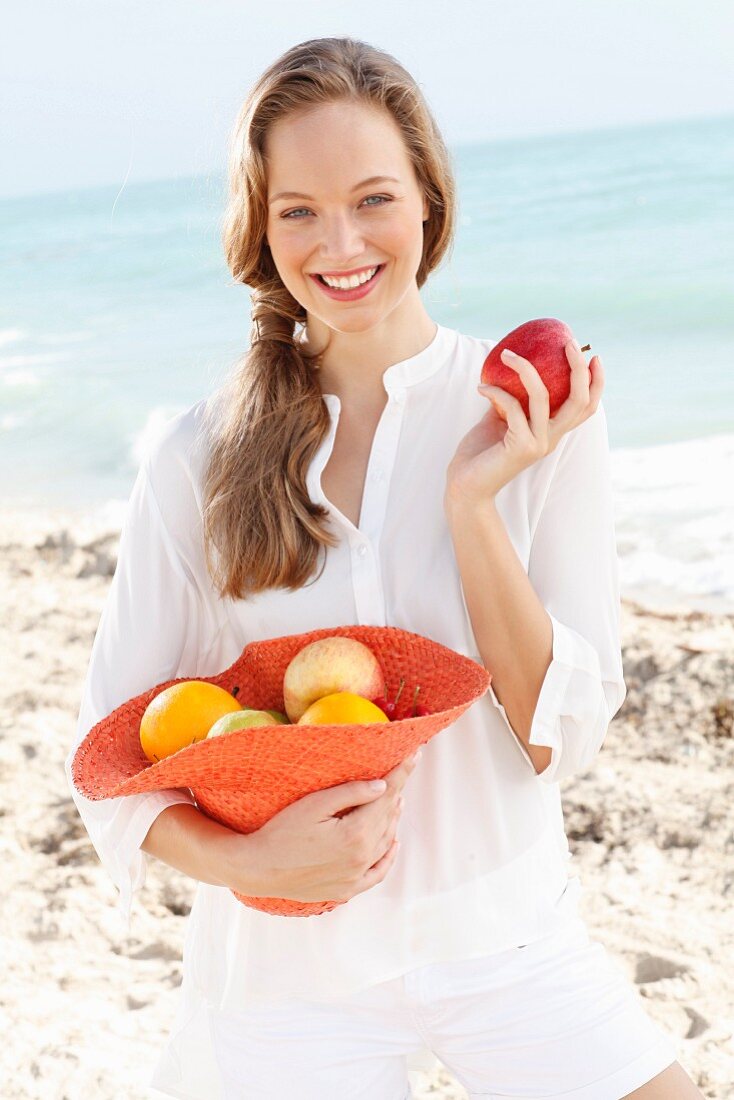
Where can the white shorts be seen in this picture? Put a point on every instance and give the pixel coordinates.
(557, 1019)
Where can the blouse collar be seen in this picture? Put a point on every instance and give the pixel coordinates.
(416, 368)
(396, 379)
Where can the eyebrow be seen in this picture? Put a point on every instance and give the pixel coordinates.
(364, 183)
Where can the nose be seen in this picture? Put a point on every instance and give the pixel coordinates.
(342, 243)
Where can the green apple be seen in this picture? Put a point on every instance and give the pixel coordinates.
(280, 718)
(240, 720)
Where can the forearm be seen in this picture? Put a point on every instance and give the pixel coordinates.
(513, 631)
(185, 838)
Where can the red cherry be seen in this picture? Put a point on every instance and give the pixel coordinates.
(421, 711)
(390, 708)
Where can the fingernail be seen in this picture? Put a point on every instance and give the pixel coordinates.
(509, 354)
(378, 785)
(418, 755)
(576, 345)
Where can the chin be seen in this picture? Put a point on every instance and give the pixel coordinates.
(354, 322)
(359, 324)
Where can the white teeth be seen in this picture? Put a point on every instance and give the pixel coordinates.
(352, 281)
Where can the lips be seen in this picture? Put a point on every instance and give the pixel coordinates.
(348, 274)
(353, 292)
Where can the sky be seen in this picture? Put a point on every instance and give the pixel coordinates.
(116, 92)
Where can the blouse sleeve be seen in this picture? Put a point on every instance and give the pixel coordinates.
(148, 622)
(573, 568)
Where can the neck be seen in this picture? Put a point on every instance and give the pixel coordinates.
(353, 363)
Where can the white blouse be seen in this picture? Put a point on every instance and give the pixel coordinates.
(484, 863)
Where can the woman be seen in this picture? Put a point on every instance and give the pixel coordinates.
(354, 426)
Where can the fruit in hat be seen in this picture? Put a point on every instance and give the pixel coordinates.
(342, 708)
(328, 665)
(542, 342)
(181, 714)
(390, 707)
(243, 719)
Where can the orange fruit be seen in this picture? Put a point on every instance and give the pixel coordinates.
(181, 714)
(342, 708)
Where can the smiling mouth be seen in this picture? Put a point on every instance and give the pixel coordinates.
(377, 271)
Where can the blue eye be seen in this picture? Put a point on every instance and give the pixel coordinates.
(382, 198)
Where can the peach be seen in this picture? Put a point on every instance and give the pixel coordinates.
(327, 666)
(542, 342)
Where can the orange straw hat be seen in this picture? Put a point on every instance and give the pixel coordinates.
(243, 778)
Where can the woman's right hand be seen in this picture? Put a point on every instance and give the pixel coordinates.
(327, 846)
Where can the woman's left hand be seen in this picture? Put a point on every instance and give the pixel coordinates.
(504, 442)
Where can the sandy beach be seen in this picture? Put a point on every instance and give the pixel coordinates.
(86, 1007)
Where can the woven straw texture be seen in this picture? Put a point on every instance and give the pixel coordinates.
(243, 778)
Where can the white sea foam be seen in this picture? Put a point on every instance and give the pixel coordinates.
(674, 518)
(65, 337)
(111, 513)
(20, 378)
(11, 335)
(10, 361)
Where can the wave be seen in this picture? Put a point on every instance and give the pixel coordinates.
(7, 361)
(20, 378)
(674, 518)
(10, 335)
(65, 337)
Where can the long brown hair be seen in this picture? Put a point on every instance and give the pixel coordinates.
(269, 418)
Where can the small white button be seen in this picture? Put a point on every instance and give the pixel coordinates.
(362, 550)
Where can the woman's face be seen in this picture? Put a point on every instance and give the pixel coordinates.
(338, 223)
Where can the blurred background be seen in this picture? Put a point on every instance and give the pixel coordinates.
(594, 149)
(593, 144)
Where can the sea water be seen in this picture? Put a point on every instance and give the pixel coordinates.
(117, 311)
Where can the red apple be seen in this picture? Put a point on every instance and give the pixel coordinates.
(542, 342)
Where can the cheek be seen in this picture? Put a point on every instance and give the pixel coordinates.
(288, 254)
(283, 246)
(404, 238)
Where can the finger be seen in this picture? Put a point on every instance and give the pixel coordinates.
(579, 395)
(597, 382)
(538, 396)
(512, 412)
(577, 406)
(390, 831)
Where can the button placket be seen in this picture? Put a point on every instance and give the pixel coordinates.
(369, 598)
(382, 460)
(369, 593)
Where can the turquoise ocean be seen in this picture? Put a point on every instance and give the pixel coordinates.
(117, 311)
